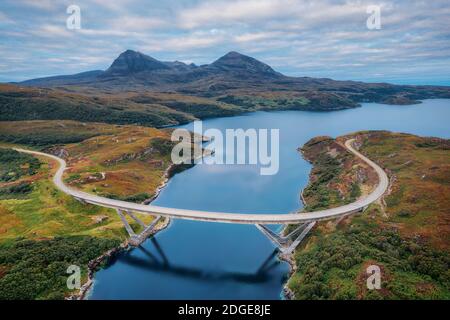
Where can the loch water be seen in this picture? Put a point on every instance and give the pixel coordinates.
(203, 260)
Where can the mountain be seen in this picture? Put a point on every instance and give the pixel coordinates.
(137, 88)
(131, 62)
(239, 63)
(234, 71)
(132, 68)
(74, 79)
(149, 71)
(233, 76)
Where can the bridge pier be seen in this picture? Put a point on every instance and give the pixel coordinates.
(287, 244)
(125, 223)
(137, 239)
(139, 221)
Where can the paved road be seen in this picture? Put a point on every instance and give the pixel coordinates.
(225, 217)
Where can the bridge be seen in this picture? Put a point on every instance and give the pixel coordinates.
(286, 244)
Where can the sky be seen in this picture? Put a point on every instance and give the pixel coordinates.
(320, 38)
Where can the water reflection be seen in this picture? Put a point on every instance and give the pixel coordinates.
(160, 263)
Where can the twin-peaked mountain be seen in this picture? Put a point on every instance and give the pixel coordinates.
(132, 68)
(132, 62)
(231, 74)
(137, 88)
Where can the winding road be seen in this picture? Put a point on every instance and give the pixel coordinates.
(224, 217)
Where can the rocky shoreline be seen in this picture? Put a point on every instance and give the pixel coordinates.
(288, 294)
(163, 184)
(94, 264)
(92, 267)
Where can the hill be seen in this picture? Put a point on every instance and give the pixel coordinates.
(405, 234)
(141, 108)
(42, 230)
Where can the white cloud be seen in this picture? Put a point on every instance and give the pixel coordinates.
(223, 12)
(197, 40)
(47, 5)
(138, 23)
(290, 14)
(4, 19)
(256, 36)
(52, 31)
(117, 6)
(320, 37)
(106, 32)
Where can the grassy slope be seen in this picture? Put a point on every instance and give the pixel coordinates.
(130, 162)
(148, 108)
(144, 108)
(41, 133)
(270, 100)
(408, 236)
(45, 212)
(133, 160)
(32, 260)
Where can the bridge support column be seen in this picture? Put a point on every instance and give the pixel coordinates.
(139, 221)
(148, 230)
(125, 223)
(287, 244)
(137, 239)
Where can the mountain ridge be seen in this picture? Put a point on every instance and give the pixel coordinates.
(132, 62)
(137, 88)
(179, 77)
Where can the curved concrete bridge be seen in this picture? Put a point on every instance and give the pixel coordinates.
(306, 219)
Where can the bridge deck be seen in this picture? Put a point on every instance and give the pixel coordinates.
(224, 217)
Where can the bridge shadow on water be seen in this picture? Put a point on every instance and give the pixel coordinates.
(161, 263)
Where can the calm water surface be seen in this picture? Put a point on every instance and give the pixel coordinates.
(197, 260)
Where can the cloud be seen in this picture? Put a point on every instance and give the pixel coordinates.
(116, 6)
(256, 36)
(326, 38)
(224, 12)
(52, 31)
(4, 19)
(138, 23)
(290, 14)
(196, 40)
(47, 5)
